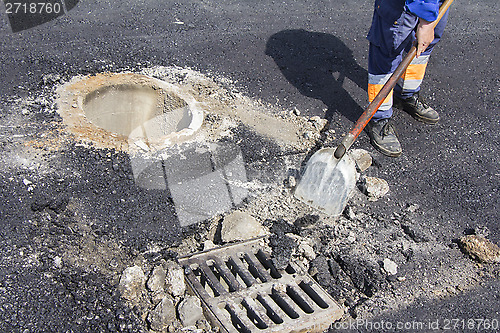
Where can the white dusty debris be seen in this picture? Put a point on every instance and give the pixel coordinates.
(175, 279)
(480, 248)
(190, 311)
(318, 122)
(156, 280)
(132, 283)
(374, 188)
(362, 158)
(390, 267)
(239, 226)
(208, 244)
(304, 253)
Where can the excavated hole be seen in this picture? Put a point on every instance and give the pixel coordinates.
(128, 111)
(136, 111)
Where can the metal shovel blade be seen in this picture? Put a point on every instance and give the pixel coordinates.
(327, 182)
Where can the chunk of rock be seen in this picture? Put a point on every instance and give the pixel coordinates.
(362, 158)
(291, 181)
(390, 267)
(364, 274)
(482, 231)
(162, 315)
(349, 213)
(156, 280)
(412, 208)
(374, 188)
(190, 311)
(132, 283)
(480, 248)
(239, 226)
(318, 122)
(208, 244)
(175, 280)
(307, 251)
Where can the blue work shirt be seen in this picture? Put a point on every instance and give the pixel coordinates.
(392, 9)
(394, 20)
(426, 9)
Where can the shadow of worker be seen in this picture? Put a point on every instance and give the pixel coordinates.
(309, 60)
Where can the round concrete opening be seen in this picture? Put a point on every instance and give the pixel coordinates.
(132, 110)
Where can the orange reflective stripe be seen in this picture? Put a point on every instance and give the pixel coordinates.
(373, 90)
(414, 72)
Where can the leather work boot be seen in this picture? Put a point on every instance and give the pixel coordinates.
(383, 137)
(417, 108)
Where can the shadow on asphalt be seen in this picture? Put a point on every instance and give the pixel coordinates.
(309, 60)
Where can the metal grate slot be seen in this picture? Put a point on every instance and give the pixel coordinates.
(242, 291)
(240, 272)
(255, 267)
(226, 274)
(308, 288)
(220, 277)
(203, 282)
(290, 270)
(253, 314)
(299, 299)
(267, 263)
(287, 307)
(236, 320)
(212, 280)
(272, 311)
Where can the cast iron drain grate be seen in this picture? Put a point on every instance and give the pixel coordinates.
(242, 291)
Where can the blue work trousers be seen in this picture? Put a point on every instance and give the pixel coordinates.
(391, 35)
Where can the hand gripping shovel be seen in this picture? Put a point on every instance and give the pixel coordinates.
(330, 175)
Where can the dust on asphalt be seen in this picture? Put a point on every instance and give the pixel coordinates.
(73, 217)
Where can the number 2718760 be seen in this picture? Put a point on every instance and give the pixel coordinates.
(473, 324)
(33, 8)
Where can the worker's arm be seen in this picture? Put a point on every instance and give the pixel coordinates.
(427, 11)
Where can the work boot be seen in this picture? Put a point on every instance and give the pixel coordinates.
(417, 108)
(383, 137)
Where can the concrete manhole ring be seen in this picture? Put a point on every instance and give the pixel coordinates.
(128, 111)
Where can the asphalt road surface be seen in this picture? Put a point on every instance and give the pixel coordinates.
(309, 55)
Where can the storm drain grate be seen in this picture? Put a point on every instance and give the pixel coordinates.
(242, 291)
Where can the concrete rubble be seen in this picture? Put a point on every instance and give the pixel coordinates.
(480, 248)
(163, 314)
(318, 122)
(190, 311)
(375, 188)
(174, 279)
(132, 283)
(156, 280)
(239, 226)
(390, 267)
(362, 158)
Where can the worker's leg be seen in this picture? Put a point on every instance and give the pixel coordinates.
(409, 83)
(406, 92)
(388, 39)
(380, 68)
(379, 129)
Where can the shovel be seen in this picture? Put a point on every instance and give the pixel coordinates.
(330, 174)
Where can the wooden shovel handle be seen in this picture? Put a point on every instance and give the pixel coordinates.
(383, 93)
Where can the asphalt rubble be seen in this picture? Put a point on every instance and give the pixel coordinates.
(96, 253)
